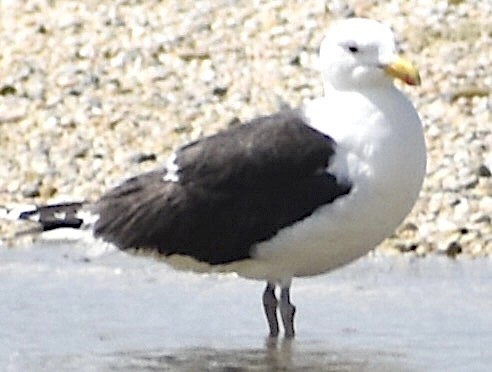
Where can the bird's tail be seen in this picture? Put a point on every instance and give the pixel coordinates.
(49, 217)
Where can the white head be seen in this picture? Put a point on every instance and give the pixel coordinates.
(358, 53)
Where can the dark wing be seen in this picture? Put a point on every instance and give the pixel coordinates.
(235, 189)
(54, 216)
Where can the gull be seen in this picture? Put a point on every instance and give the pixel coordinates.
(292, 194)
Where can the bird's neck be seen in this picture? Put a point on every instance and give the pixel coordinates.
(363, 84)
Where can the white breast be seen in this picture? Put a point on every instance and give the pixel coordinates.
(382, 152)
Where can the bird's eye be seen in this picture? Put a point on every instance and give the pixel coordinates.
(352, 48)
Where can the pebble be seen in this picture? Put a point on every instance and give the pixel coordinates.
(93, 92)
(484, 171)
(12, 109)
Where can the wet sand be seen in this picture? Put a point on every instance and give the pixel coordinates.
(69, 306)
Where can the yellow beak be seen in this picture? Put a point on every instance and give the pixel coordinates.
(403, 70)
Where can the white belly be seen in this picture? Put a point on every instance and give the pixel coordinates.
(332, 237)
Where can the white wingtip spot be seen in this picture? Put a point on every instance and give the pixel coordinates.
(89, 218)
(60, 215)
(172, 169)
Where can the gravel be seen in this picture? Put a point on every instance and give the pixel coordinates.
(92, 92)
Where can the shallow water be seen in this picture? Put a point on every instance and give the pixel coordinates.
(68, 306)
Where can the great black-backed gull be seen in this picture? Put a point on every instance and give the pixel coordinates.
(293, 194)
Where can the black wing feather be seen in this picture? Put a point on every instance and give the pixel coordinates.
(267, 149)
(235, 189)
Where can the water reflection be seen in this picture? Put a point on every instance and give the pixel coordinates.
(274, 356)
